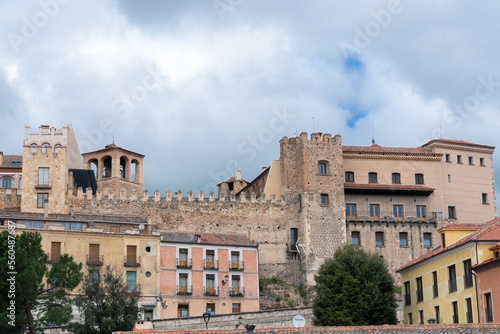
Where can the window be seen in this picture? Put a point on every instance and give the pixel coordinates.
(427, 239)
(452, 212)
(350, 211)
(32, 224)
(294, 234)
(93, 278)
(210, 259)
(481, 161)
(403, 239)
(449, 177)
(448, 158)
(56, 148)
(459, 159)
(324, 199)
(468, 274)
(372, 177)
(421, 212)
(55, 252)
(72, 226)
(420, 290)
(419, 178)
(374, 211)
(322, 167)
(236, 307)
(438, 314)
(33, 148)
(421, 316)
(469, 316)
(355, 238)
(397, 211)
(407, 294)
(211, 308)
(379, 239)
(210, 285)
(452, 279)
(300, 203)
(40, 199)
(235, 285)
(489, 309)
(410, 318)
(45, 147)
(43, 176)
(396, 178)
(93, 257)
(471, 161)
(183, 284)
(485, 198)
(443, 241)
(183, 258)
(235, 260)
(454, 306)
(183, 311)
(20, 183)
(131, 281)
(131, 259)
(349, 176)
(435, 288)
(7, 182)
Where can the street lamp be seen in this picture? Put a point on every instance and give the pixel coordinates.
(206, 318)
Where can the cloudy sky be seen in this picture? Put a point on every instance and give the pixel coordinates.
(203, 88)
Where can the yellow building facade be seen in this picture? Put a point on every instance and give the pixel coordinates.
(440, 286)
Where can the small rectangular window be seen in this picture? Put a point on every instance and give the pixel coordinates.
(294, 234)
(322, 168)
(468, 283)
(403, 239)
(454, 306)
(40, 199)
(379, 239)
(459, 159)
(469, 315)
(350, 211)
(481, 161)
(438, 314)
(72, 226)
(396, 178)
(421, 212)
(372, 177)
(452, 212)
(448, 158)
(236, 307)
(324, 199)
(131, 281)
(397, 211)
(43, 176)
(420, 290)
(410, 318)
(355, 238)
(485, 198)
(349, 176)
(489, 308)
(435, 288)
(421, 314)
(471, 161)
(407, 294)
(374, 211)
(427, 240)
(452, 279)
(419, 178)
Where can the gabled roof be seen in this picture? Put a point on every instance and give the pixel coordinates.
(458, 226)
(113, 147)
(12, 161)
(226, 239)
(437, 142)
(488, 232)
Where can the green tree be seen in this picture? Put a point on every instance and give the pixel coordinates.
(105, 304)
(24, 263)
(354, 288)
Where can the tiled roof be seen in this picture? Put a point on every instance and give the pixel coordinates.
(232, 179)
(458, 142)
(375, 148)
(12, 161)
(76, 217)
(208, 238)
(458, 226)
(489, 328)
(112, 147)
(489, 232)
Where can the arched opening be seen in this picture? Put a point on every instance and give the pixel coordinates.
(123, 167)
(94, 166)
(106, 166)
(56, 148)
(45, 147)
(134, 170)
(7, 182)
(20, 183)
(33, 148)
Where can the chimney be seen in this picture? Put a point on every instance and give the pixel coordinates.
(238, 174)
(45, 208)
(198, 238)
(1, 158)
(264, 168)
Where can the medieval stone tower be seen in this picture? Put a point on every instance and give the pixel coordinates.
(48, 154)
(118, 171)
(312, 182)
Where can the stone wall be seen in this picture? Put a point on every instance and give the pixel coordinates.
(10, 202)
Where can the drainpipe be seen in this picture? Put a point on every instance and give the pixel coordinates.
(475, 284)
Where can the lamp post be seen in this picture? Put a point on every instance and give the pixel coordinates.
(206, 318)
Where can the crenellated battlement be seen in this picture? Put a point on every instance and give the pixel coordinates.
(316, 137)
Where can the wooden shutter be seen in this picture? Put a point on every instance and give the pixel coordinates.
(94, 251)
(55, 251)
(131, 253)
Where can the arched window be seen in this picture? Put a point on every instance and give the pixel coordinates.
(33, 148)
(20, 183)
(7, 182)
(45, 147)
(106, 167)
(56, 148)
(133, 170)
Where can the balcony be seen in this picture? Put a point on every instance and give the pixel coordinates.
(131, 262)
(407, 300)
(488, 312)
(239, 266)
(136, 289)
(387, 216)
(387, 189)
(184, 263)
(95, 260)
(43, 186)
(420, 296)
(210, 291)
(184, 289)
(452, 285)
(211, 265)
(468, 281)
(237, 292)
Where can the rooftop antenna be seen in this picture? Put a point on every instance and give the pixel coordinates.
(113, 139)
(373, 133)
(314, 130)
